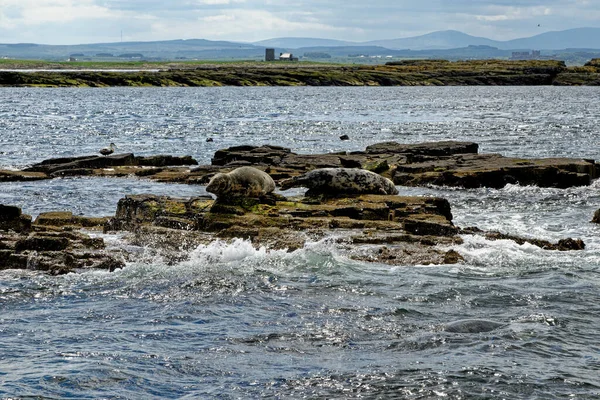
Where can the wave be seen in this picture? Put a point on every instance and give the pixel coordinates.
(508, 257)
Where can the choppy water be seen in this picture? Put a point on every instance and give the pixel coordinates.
(237, 322)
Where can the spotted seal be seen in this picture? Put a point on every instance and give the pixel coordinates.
(241, 182)
(333, 181)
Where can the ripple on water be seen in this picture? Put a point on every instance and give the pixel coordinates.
(229, 320)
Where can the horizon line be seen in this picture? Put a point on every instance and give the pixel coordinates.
(291, 37)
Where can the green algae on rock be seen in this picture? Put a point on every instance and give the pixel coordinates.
(413, 73)
(284, 223)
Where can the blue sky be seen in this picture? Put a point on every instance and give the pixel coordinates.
(94, 21)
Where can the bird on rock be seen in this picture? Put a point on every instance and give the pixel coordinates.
(108, 150)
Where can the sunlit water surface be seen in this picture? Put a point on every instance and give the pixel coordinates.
(232, 321)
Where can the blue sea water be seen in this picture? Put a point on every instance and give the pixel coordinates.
(234, 321)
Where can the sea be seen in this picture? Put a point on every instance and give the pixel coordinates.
(231, 321)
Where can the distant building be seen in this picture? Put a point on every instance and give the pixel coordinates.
(287, 57)
(316, 55)
(131, 55)
(269, 54)
(525, 55)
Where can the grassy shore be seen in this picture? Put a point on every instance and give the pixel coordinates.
(202, 73)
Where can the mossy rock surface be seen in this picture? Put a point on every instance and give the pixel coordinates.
(424, 73)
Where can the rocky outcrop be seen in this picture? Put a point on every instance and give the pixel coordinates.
(496, 171)
(21, 176)
(430, 149)
(263, 155)
(12, 219)
(596, 218)
(447, 163)
(55, 252)
(419, 73)
(86, 165)
(51, 244)
(566, 244)
(66, 219)
(165, 161)
(56, 166)
(388, 229)
(395, 222)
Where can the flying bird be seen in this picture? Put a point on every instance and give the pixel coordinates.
(108, 150)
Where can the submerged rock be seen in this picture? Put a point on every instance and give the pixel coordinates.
(596, 218)
(562, 245)
(473, 326)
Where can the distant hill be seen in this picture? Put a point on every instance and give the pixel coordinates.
(580, 38)
(168, 49)
(582, 44)
(440, 40)
(435, 41)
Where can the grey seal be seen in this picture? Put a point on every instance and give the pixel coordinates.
(333, 181)
(472, 326)
(241, 182)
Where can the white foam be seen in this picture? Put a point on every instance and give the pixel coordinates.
(498, 255)
(221, 251)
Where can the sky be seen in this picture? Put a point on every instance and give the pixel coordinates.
(99, 21)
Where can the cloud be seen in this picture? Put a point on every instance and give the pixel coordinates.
(54, 21)
(247, 25)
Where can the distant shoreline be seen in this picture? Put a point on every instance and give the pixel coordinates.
(32, 70)
(403, 73)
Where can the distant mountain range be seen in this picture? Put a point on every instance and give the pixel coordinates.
(583, 38)
(585, 42)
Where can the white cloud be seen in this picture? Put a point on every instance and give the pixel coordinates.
(246, 25)
(35, 12)
(64, 14)
(52, 21)
(219, 18)
(218, 2)
(514, 13)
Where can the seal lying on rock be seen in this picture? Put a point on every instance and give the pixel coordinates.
(333, 181)
(241, 182)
